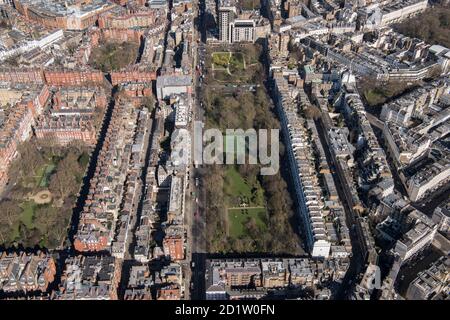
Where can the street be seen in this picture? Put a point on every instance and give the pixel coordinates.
(195, 214)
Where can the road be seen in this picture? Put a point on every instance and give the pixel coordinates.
(374, 121)
(129, 261)
(195, 214)
(357, 259)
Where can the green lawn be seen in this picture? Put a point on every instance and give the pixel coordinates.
(41, 179)
(374, 97)
(15, 232)
(44, 181)
(221, 59)
(27, 214)
(378, 93)
(234, 67)
(234, 61)
(83, 160)
(39, 175)
(26, 218)
(239, 217)
(235, 185)
(241, 191)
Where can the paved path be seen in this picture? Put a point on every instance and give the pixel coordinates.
(375, 121)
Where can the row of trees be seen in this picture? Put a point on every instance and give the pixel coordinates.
(377, 93)
(432, 26)
(243, 110)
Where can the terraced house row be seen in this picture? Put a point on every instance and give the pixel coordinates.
(321, 236)
(26, 272)
(237, 279)
(108, 187)
(133, 185)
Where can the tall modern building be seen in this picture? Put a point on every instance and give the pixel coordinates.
(232, 27)
(227, 12)
(242, 30)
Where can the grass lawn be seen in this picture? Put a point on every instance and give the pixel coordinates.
(27, 214)
(234, 61)
(44, 181)
(374, 97)
(239, 217)
(378, 93)
(39, 175)
(15, 232)
(235, 184)
(221, 59)
(26, 218)
(239, 190)
(233, 67)
(84, 159)
(41, 179)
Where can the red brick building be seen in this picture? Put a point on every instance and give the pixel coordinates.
(127, 19)
(37, 102)
(71, 116)
(17, 128)
(125, 76)
(73, 77)
(170, 292)
(137, 90)
(174, 247)
(62, 17)
(95, 244)
(21, 75)
(63, 130)
(122, 35)
(26, 272)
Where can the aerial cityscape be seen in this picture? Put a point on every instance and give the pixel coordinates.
(225, 150)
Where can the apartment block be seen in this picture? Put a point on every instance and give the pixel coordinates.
(431, 284)
(89, 278)
(71, 15)
(22, 272)
(71, 116)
